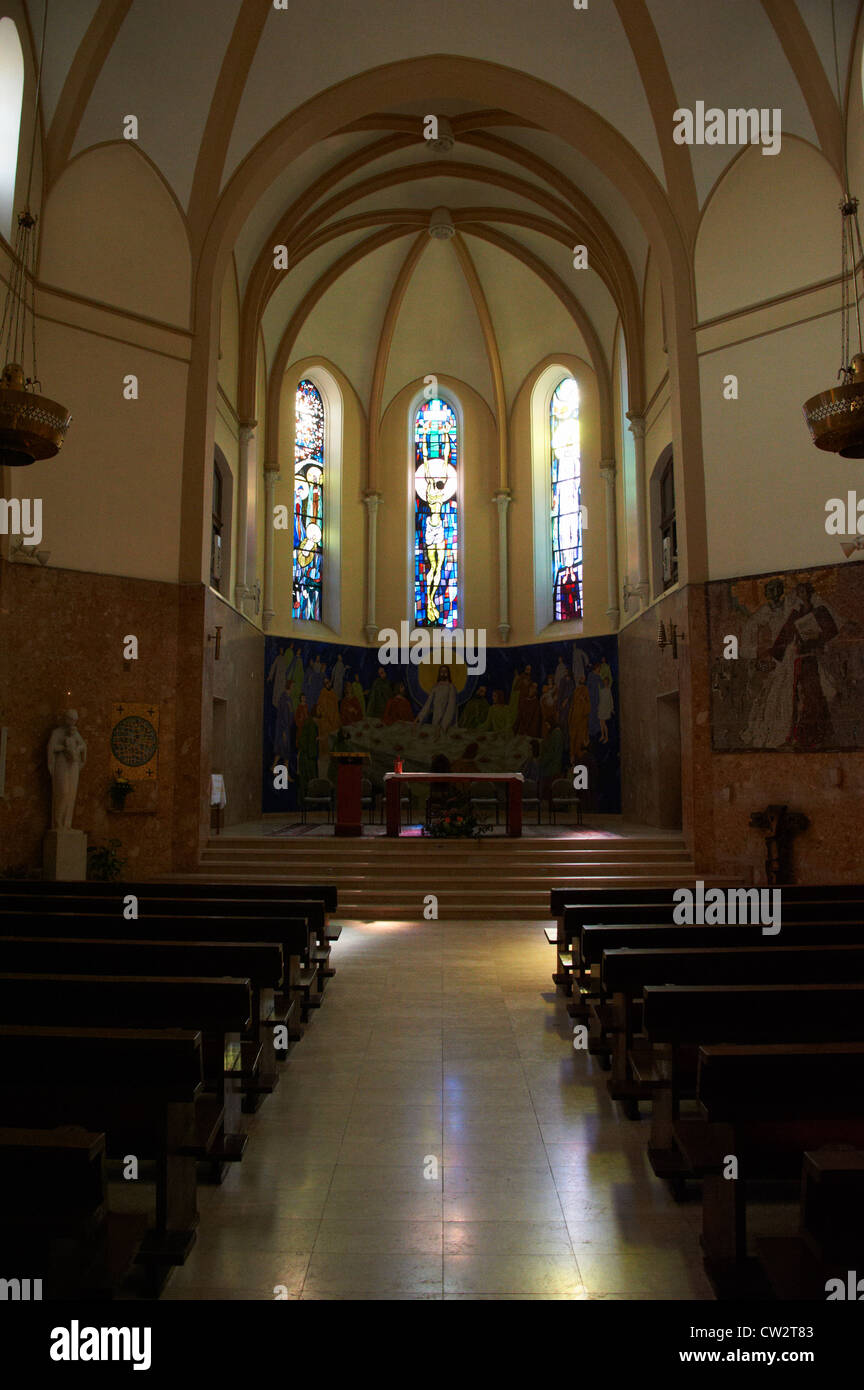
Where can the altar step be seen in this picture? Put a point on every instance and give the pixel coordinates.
(493, 880)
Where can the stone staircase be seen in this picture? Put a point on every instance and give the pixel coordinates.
(496, 879)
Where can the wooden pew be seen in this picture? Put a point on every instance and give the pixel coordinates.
(219, 1009)
(112, 904)
(259, 962)
(54, 1221)
(141, 1088)
(828, 915)
(293, 934)
(626, 972)
(766, 1105)
(685, 1017)
(280, 892)
(111, 899)
(596, 940)
(580, 906)
(831, 1231)
(561, 898)
(658, 914)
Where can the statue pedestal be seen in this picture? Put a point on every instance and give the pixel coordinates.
(64, 855)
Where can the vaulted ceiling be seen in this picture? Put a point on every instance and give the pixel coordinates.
(208, 81)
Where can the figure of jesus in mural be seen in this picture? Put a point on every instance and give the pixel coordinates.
(435, 482)
(308, 536)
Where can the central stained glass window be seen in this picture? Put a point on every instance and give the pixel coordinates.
(308, 501)
(436, 515)
(566, 501)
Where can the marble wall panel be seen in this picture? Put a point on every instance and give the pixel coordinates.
(62, 641)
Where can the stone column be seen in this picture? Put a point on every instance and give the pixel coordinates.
(242, 588)
(271, 478)
(372, 500)
(502, 501)
(608, 471)
(637, 429)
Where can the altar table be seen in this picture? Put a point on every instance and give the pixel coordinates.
(513, 780)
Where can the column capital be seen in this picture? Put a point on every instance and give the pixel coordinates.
(246, 431)
(502, 499)
(271, 475)
(504, 632)
(637, 424)
(371, 502)
(609, 468)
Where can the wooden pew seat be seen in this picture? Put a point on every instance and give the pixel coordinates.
(294, 934)
(259, 962)
(140, 1088)
(766, 1105)
(831, 1231)
(55, 1220)
(685, 1017)
(595, 941)
(178, 889)
(220, 1009)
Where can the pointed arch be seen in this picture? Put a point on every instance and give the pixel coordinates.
(548, 533)
(314, 447)
(11, 104)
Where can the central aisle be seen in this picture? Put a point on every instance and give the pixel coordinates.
(442, 1043)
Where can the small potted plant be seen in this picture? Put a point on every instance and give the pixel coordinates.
(121, 787)
(104, 864)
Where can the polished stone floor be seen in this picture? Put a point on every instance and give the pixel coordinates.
(435, 1136)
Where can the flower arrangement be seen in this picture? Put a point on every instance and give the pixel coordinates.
(121, 787)
(455, 822)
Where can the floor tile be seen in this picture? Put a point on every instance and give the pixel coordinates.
(435, 1136)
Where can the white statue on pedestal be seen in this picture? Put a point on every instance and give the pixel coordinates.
(67, 754)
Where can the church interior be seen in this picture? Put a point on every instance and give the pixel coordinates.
(431, 652)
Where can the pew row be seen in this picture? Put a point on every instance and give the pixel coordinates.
(178, 890)
(655, 905)
(765, 1105)
(626, 972)
(258, 961)
(678, 1019)
(823, 1260)
(220, 1010)
(56, 1221)
(143, 1089)
(293, 934)
(594, 939)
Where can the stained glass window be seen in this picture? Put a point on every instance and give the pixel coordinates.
(566, 501)
(308, 501)
(436, 516)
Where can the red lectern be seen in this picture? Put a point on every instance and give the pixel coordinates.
(349, 793)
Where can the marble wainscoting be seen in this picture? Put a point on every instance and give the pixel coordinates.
(62, 637)
(61, 645)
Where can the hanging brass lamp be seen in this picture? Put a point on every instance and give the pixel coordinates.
(836, 417)
(32, 426)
